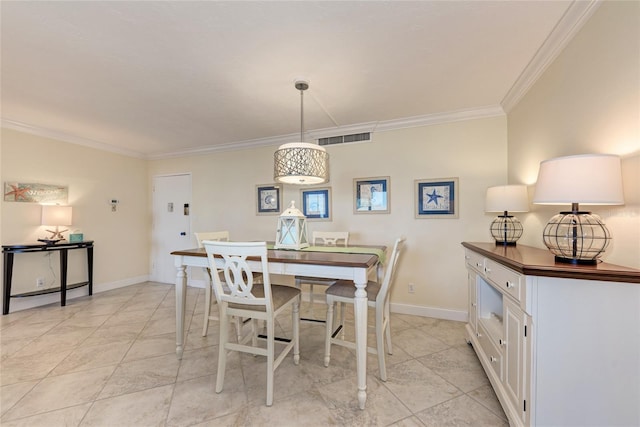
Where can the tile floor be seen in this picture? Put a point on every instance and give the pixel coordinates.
(109, 360)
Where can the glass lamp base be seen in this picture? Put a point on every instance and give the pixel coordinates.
(506, 230)
(576, 237)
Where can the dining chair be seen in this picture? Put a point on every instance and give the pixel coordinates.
(327, 238)
(343, 291)
(242, 297)
(219, 236)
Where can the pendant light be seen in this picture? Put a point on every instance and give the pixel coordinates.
(301, 163)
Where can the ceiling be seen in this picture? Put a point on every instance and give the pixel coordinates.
(156, 79)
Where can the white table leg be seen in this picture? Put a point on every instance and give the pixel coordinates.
(360, 314)
(181, 296)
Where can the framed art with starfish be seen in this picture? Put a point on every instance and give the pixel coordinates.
(436, 198)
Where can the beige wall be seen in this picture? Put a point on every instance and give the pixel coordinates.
(474, 151)
(588, 101)
(93, 177)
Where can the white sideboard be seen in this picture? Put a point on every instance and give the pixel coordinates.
(560, 343)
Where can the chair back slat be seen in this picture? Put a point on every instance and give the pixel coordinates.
(219, 236)
(239, 284)
(331, 238)
(390, 271)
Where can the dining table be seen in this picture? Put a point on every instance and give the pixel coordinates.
(353, 263)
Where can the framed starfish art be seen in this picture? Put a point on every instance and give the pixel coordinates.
(436, 198)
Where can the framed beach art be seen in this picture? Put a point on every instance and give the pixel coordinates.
(316, 203)
(268, 199)
(371, 195)
(436, 198)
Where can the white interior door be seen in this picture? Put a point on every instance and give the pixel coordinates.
(171, 224)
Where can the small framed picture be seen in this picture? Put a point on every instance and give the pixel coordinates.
(316, 203)
(436, 198)
(268, 199)
(371, 195)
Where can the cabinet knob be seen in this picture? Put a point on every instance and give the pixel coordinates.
(467, 257)
(494, 359)
(509, 284)
(473, 304)
(503, 342)
(478, 334)
(487, 270)
(478, 264)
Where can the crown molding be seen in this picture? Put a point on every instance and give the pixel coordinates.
(381, 126)
(576, 15)
(65, 137)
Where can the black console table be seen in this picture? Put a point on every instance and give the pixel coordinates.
(9, 251)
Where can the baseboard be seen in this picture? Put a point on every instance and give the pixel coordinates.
(18, 304)
(435, 312)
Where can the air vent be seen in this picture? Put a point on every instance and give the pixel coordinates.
(345, 139)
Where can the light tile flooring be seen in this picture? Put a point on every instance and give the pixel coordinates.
(109, 360)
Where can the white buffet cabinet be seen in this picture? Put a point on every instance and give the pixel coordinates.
(560, 343)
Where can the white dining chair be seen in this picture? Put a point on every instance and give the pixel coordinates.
(243, 298)
(220, 236)
(343, 291)
(327, 238)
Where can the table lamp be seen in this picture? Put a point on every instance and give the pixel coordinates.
(576, 236)
(292, 229)
(506, 229)
(55, 215)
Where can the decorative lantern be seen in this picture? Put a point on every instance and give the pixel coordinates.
(292, 229)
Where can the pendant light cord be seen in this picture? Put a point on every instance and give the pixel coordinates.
(301, 115)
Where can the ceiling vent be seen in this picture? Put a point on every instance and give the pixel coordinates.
(345, 139)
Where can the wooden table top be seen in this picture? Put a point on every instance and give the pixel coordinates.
(540, 262)
(337, 259)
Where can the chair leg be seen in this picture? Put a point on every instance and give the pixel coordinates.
(380, 342)
(238, 322)
(296, 331)
(207, 307)
(312, 301)
(342, 308)
(270, 357)
(328, 332)
(222, 348)
(387, 320)
(254, 332)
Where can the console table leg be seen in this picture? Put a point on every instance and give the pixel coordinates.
(63, 277)
(7, 276)
(90, 269)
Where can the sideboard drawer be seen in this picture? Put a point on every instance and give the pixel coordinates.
(494, 355)
(508, 280)
(474, 260)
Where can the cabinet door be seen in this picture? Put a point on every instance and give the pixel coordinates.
(515, 321)
(473, 300)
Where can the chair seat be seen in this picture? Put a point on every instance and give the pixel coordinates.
(347, 289)
(280, 294)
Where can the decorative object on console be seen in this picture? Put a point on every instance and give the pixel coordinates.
(292, 229)
(506, 229)
(301, 162)
(55, 215)
(577, 236)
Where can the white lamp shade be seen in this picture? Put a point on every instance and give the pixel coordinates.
(301, 163)
(512, 198)
(56, 215)
(591, 179)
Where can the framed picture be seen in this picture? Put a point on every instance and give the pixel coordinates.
(316, 203)
(268, 199)
(371, 195)
(436, 198)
